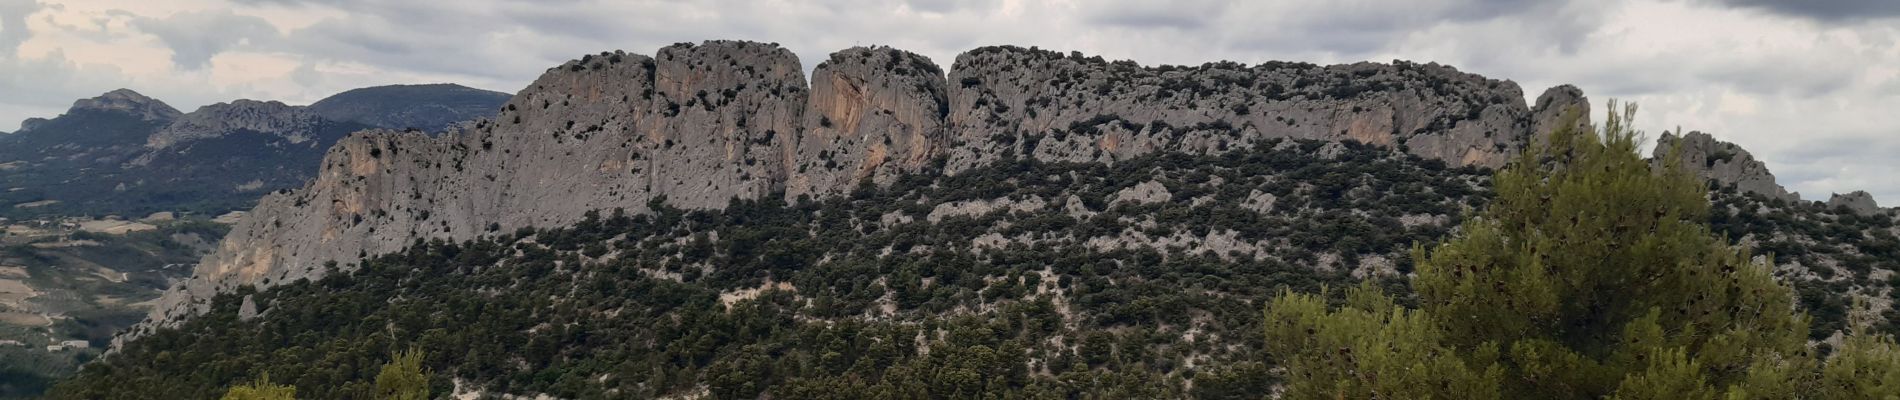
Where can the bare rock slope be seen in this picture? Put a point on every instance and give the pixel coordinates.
(1722, 162)
(696, 126)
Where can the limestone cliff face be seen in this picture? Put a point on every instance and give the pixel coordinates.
(700, 125)
(874, 114)
(1557, 104)
(696, 125)
(1014, 101)
(1722, 162)
(724, 116)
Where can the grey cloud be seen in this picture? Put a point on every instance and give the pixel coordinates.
(1825, 147)
(515, 40)
(1803, 79)
(1179, 14)
(195, 37)
(1352, 30)
(1824, 10)
(41, 87)
(950, 6)
(1819, 166)
(13, 24)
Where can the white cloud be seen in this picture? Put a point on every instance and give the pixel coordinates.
(196, 36)
(1807, 86)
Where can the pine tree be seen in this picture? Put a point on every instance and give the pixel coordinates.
(261, 389)
(1589, 276)
(1866, 366)
(403, 377)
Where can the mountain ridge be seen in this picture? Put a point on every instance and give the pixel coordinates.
(430, 107)
(126, 153)
(696, 126)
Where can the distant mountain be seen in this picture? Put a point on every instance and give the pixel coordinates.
(428, 107)
(127, 154)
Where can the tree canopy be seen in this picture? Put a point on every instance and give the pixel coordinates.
(261, 389)
(403, 377)
(1590, 275)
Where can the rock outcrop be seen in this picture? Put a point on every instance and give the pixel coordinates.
(874, 114)
(128, 101)
(697, 126)
(30, 124)
(1860, 202)
(268, 117)
(1555, 106)
(1720, 161)
(1010, 101)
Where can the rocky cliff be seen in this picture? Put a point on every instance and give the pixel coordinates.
(1055, 107)
(698, 125)
(1722, 162)
(1860, 202)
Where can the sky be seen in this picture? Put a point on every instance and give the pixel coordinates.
(1812, 87)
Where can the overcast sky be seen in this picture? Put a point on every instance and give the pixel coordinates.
(1811, 86)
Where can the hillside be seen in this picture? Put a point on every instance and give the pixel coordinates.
(1049, 279)
(431, 107)
(703, 222)
(698, 125)
(83, 282)
(1138, 279)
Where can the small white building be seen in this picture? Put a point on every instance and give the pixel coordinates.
(11, 342)
(76, 344)
(55, 347)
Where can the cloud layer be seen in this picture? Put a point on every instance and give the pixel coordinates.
(1808, 86)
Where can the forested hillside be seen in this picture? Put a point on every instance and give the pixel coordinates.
(1023, 277)
(1144, 278)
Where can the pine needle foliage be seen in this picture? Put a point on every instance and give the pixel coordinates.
(261, 389)
(1590, 276)
(403, 377)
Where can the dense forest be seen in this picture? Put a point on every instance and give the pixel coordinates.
(1141, 279)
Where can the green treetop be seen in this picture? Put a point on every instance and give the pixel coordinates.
(1590, 276)
(262, 389)
(403, 378)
